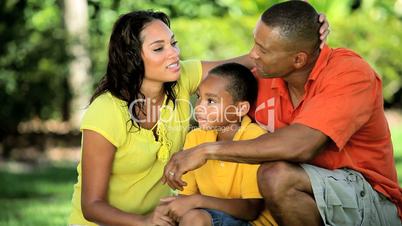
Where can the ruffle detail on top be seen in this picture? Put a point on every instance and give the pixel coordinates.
(166, 144)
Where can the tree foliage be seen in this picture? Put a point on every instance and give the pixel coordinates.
(32, 62)
(33, 56)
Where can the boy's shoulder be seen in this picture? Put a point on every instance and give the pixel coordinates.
(255, 127)
(196, 132)
(252, 130)
(198, 136)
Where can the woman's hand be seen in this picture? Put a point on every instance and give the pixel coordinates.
(324, 29)
(182, 162)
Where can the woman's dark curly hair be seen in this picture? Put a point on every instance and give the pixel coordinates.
(125, 69)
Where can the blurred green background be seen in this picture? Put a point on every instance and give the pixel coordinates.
(52, 53)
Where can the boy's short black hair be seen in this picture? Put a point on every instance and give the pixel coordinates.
(242, 86)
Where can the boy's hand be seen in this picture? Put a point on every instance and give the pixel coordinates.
(159, 217)
(180, 206)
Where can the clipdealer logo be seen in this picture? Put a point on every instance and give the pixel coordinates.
(269, 106)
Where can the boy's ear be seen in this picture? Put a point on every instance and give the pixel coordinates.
(243, 107)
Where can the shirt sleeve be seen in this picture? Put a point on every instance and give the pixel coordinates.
(104, 117)
(341, 106)
(249, 185)
(191, 187)
(191, 74)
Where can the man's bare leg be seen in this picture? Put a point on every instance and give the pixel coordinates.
(288, 194)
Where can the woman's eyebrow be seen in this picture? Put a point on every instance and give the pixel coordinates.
(161, 41)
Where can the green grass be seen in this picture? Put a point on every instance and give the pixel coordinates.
(38, 197)
(41, 196)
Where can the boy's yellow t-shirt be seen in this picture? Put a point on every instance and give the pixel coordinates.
(139, 160)
(223, 179)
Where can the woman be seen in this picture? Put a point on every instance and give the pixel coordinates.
(138, 117)
(134, 123)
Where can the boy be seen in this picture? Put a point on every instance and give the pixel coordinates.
(222, 193)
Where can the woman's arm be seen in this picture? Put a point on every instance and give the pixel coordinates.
(208, 65)
(97, 160)
(246, 209)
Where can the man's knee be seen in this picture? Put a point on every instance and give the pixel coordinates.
(196, 217)
(272, 173)
(276, 178)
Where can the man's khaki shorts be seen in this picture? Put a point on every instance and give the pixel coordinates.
(344, 197)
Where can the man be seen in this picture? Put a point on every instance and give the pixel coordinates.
(330, 159)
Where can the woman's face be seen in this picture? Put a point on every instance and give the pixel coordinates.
(160, 52)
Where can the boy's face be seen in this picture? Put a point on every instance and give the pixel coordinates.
(215, 106)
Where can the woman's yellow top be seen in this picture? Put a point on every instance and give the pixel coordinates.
(134, 185)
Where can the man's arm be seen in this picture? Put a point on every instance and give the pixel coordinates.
(294, 143)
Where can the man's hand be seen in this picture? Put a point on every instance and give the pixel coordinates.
(182, 162)
(324, 29)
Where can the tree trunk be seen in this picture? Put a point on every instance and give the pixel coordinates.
(76, 22)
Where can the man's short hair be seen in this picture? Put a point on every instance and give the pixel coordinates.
(297, 22)
(242, 85)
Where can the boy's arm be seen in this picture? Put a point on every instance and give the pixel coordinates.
(246, 209)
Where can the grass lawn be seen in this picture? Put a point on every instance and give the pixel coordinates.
(36, 197)
(41, 196)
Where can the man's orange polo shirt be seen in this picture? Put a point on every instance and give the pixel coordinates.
(343, 99)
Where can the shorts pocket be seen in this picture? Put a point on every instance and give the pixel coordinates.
(342, 203)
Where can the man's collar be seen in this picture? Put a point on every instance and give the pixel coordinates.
(321, 62)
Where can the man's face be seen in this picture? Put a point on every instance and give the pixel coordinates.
(269, 52)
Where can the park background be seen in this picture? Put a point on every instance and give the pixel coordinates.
(52, 53)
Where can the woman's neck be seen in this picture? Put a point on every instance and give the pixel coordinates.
(152, 90)
(154, 95)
